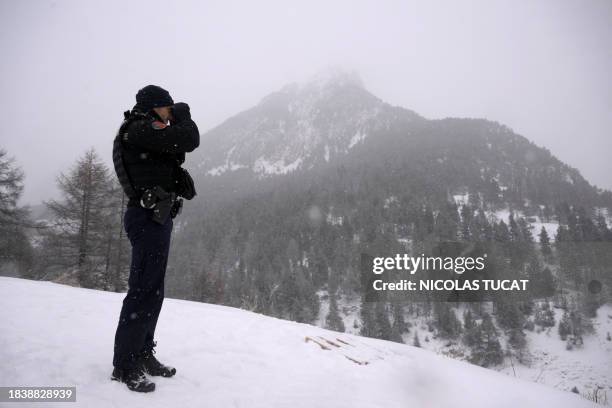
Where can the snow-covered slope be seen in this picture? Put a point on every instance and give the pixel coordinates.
(549, 362)
(58, 335)
(588, 367)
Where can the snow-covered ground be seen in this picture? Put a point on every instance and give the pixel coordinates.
(588, 367)
(58, 335)
(536, 224)
(535, 221)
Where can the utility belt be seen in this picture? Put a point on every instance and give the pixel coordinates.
(162, 202)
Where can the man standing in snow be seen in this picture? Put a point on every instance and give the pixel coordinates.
(148, 151)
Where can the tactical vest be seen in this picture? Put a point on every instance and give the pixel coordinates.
(138, 168)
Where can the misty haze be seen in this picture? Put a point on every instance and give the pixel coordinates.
(71, 68)
(281, 148)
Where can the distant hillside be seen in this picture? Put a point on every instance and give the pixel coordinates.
(333, 123)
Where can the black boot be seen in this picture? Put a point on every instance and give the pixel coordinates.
(135, 379)
(152, 366)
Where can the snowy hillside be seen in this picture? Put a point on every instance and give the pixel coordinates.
(587, 368)
(298, 127)
(59, 335)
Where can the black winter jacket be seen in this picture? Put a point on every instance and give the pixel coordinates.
(148, 153)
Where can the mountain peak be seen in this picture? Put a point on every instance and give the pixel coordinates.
(335, 76)
(326, 79)
(298, 127)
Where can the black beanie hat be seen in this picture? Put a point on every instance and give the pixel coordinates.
(153, 96)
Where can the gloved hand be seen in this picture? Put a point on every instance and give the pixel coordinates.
(180, 112)
(176, 207)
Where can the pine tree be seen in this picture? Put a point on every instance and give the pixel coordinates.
(398, 318)
(297, 298)
(399, 324)
(333, 320)
(544, 316)
(518, 342)
(382, 320)
(541, 280)
(417, 343)
(471, 329)
(117, 246)
(515, 232)
(493, 354)
(468, 320)
(578, 326)
(545, 243)
(604, 232)
(76, 238)
(485, 347)
(521, 242)
(466, 222)
(501, 232)
(547, 282)
(565, 326)
(446, 223)
(368, 319)
(509, 316)
(447, 322)
(14, 244)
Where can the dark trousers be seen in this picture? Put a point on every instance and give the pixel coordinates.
(143, 301)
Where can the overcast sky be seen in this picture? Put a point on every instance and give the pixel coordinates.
(70, 68)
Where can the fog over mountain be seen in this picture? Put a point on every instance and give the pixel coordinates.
(298, 127)
(542, 68)
(332, 119)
